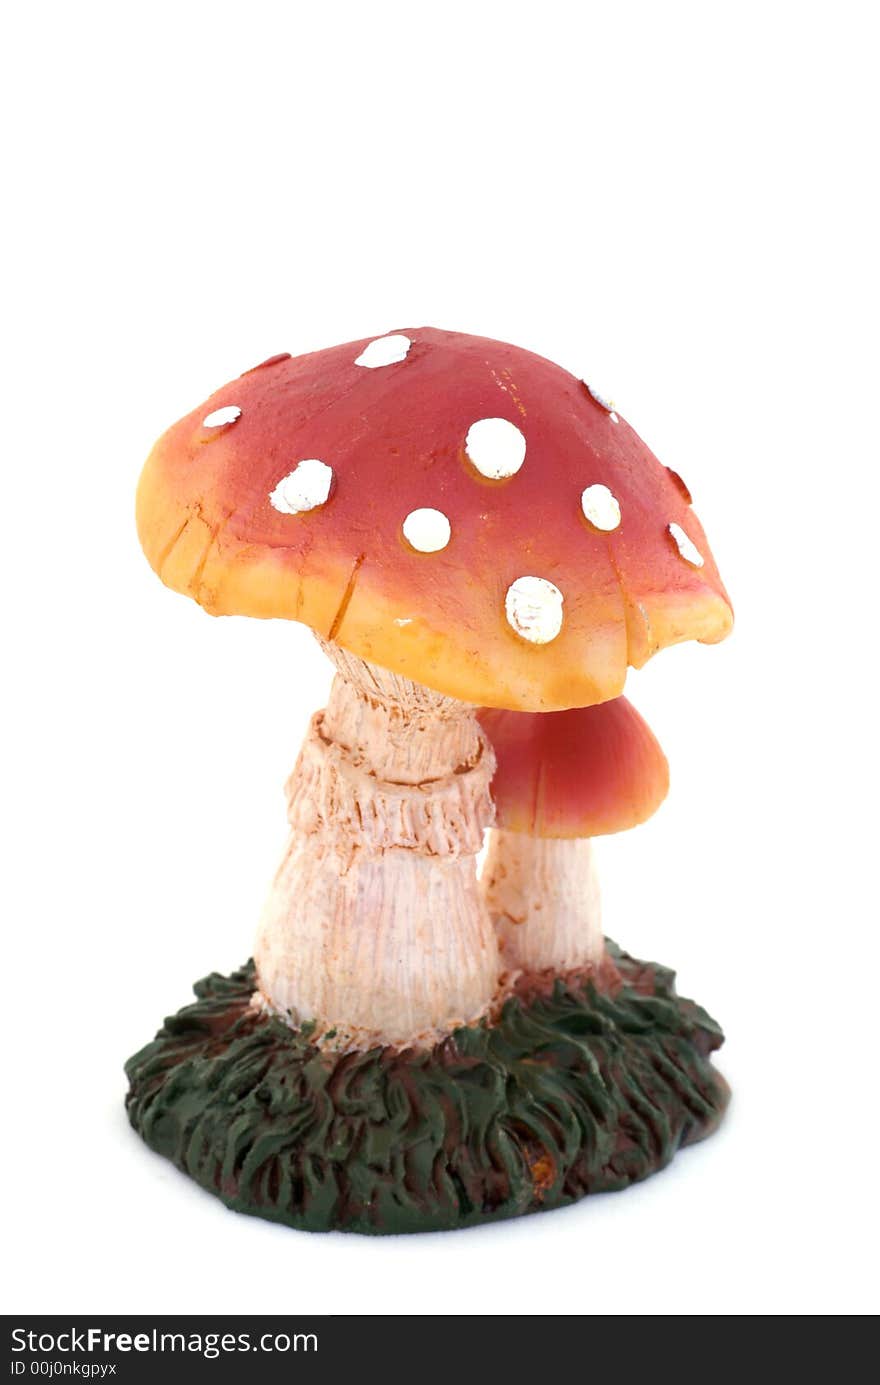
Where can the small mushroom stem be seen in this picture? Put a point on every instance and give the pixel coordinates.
(375, 926)
(543, 895)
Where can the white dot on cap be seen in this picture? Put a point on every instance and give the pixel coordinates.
(495, 447)
(220, 417)
(686, 547)
(603, 403)
(427, 530)
(304, 488)
(534, 609)
(600, 507)
(384, 351)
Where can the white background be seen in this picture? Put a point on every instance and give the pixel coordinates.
(678, 200)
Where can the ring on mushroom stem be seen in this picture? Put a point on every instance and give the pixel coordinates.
(460, 524)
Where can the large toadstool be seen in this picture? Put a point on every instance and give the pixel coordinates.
(562, 779)
(461, 523)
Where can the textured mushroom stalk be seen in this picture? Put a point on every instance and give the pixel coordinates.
(543, 894)
(375, 927)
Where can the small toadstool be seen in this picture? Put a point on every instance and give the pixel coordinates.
(562, 778)
(460, 522)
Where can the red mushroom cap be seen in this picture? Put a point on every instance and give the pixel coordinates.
(460, 511)
(580, 773)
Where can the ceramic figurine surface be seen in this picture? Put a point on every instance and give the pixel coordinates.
(483, 547)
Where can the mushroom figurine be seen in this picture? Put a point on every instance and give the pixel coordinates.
(461, 523)
(562, 778)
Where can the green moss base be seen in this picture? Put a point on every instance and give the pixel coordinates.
(575, 1093)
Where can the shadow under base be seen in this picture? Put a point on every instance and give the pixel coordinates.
(576, 1092)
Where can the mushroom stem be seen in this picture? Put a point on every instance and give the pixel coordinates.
(543, 895)
(375, 927)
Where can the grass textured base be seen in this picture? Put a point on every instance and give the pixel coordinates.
(574, 1093)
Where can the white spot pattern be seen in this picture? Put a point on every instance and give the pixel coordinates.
(304, 488)
(603, 403)
(686, 546)
(495, 447)
(384, 351)
(218, 418)
(601, 508)
(534, 609)
(427, 530)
